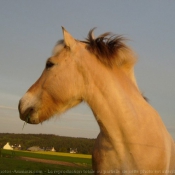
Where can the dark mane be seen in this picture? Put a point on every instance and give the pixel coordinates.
(110, 49)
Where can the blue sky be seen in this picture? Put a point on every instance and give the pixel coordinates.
(30, 29)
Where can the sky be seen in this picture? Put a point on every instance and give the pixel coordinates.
(30, 29)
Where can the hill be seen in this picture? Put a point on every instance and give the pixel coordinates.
(45, 141)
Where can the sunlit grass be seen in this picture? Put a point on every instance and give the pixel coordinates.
(65, 154)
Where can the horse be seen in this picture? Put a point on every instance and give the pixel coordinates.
(100, 71)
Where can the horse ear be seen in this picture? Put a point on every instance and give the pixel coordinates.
(68, 39)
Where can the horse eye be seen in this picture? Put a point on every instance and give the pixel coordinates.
(49, 64)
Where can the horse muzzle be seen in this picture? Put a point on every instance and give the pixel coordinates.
(27, 112)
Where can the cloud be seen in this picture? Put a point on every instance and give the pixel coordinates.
(8, 107)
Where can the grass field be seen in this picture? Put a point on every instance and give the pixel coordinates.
(10, 163)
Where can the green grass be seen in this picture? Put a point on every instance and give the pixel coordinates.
(66, 157)
(17, 166)
(11, 164)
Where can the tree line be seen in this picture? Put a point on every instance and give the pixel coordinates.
(45, 141)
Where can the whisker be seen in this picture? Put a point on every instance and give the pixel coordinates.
(26, 121)
(24, 125)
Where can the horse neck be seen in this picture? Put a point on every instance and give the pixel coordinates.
(111, 94)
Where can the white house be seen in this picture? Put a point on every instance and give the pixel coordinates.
(16, 147)
(7, 146)
(35, 148)
(53, 149)
(73, 151)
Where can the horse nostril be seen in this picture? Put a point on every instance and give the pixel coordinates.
(31, 109)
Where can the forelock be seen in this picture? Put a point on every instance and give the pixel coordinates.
(58, 47)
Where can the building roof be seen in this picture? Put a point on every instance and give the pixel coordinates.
(7, 146)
